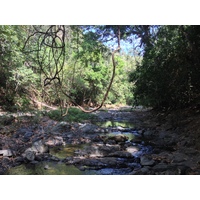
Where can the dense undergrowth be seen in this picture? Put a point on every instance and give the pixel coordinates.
(72, 115)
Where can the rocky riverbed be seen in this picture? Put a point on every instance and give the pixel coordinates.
(129, 142)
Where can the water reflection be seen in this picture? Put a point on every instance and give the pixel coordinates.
(66, 151)
(112, 124)
(53, 169)
(70, 150)
(130, 136)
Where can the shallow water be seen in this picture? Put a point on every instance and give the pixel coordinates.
(69, 150)
(53, 169)
(66, 151)
(112, 124)
(130, 135)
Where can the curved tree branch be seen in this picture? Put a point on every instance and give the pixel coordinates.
(47, 39)
(109, 86)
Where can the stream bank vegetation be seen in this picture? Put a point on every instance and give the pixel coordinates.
(59, 66)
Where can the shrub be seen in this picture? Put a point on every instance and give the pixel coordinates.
(73, 115)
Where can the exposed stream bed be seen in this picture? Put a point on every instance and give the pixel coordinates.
(116, 143)
(114, 152)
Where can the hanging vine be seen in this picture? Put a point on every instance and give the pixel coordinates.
(51, 59)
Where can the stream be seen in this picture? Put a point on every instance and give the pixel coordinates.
(116, 142)
(116, 152)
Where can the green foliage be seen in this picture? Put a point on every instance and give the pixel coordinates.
(85, 74)
(167, 76)
(16, 79)
(73, 115)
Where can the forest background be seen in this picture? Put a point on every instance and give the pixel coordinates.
(79, 65)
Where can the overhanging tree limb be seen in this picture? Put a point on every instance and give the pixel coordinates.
(110, 84)
(52, 42)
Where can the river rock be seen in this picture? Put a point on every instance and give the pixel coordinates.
(88, 128)
(37, 147)
(61, 127)
(23, 130)
(6, 153)
(161, 167)
(132, 149)
(122, 129)
(19, 159)
(179, 157)
(146, 161)
(54, 158)
(121, 154)
(89, 162)
(54, 141)
(46, 167)
(27, 136)
(107, 149)
(142, 171)
(7, 162)
(98, 163)
(40, 147)
(118, 138)
(29, 155)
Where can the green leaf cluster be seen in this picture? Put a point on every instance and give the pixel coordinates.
(168, 76)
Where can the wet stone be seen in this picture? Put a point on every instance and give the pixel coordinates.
(39, 157)
(53, 158)
(111, 171)
(29, 155)
(121, 154)
(105, 149)
(132, 149)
